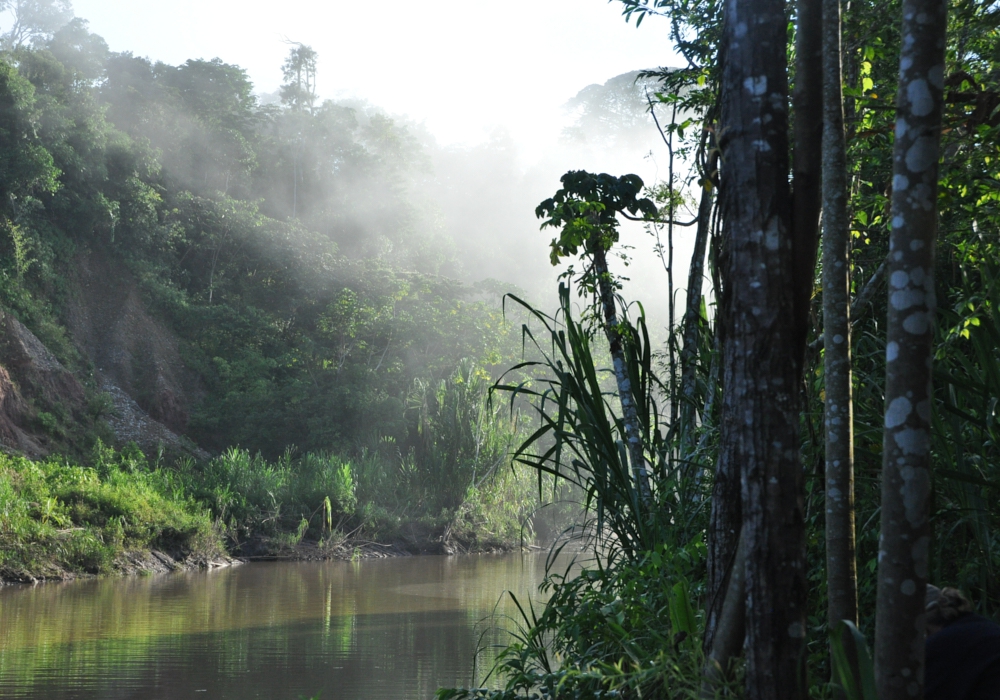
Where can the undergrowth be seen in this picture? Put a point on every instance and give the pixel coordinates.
(58, 517)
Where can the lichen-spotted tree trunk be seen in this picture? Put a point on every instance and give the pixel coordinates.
(841, 569)
(762, 345)
(906, 465)
(726, 519)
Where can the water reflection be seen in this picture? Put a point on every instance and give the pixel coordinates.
(389, 628)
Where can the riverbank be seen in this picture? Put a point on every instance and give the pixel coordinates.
(123, 515)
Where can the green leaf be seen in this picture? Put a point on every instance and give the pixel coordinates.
(681, 613)
(857, 680)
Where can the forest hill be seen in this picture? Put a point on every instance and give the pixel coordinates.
(207, 271)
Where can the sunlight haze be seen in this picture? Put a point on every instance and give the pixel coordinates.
(461, 68)
(468, 73)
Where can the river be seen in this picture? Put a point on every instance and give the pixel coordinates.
(367, 630)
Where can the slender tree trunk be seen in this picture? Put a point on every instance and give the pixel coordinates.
(906, 466)
(726, 514)
(630, 415)
(761, 345)
(841, 569)
(692, 312)
(725, 520)
(671, 310)
(807, 164)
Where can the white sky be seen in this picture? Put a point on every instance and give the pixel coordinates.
(462, 68)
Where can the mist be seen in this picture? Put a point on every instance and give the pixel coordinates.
(475, 161)
(299, 279)
(484, 196)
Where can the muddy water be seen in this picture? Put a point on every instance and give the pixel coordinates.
(375, 629)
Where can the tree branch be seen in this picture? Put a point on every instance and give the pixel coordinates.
(860, 301)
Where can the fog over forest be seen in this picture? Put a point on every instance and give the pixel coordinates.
(478, 185)
(324, 283)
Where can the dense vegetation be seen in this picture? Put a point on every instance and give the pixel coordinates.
(282, 247)
(61, 518)
(278, 243)
(634, 623)
(286, 247)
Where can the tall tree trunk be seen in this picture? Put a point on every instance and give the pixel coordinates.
(630, 416)
(906, 465)
(692, 312)
(760, 427)
(841, 569)
(807, 167)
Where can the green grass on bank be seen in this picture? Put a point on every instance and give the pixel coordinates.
(58, 517)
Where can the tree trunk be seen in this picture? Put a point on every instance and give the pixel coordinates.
(906, 465)
(692, 313)
(630, 416)
(841, 569)
(807, 158)
(761, 344)
(730, 629)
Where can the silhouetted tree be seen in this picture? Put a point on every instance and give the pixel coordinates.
(841, 568)
(299, 71)
(34, 19)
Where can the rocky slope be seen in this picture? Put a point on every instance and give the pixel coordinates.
(137, 383)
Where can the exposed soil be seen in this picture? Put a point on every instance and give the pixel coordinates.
(132, 424)
(131, 563)
(134, 354)
(32, 379)
(136, 363)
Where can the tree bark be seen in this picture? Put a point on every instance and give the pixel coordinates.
(692, 312)
(730, 630)
(841, 569)
(807, 160)
(761, 345)
(906, 466)
(630, 416)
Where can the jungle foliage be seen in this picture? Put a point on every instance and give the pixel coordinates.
(622, 628)
(287, 249)
(279, 243)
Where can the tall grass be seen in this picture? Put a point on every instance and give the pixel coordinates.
(255, 497)
(628, 623)
(56, 516)
(451, 481)
(580, 435)
(452, 477)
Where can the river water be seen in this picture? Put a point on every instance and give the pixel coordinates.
(368, 630)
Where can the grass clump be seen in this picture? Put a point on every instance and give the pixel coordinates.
(623, 630)
(314, 494)
(58, 517)
(626, 625)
